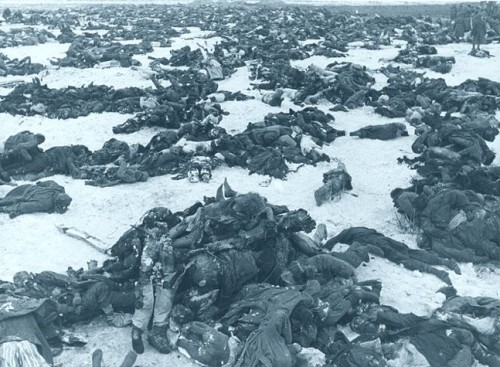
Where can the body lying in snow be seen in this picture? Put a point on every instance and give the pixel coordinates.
(381, 132)
(46, 196)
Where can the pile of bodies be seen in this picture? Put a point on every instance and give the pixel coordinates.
(344, 83)
(263, 148)
(240, 280)
(24, 37)
(89, 50)
(144, 29)
(185, 57)
(180, 102)
(18, 67)
(24, 159)
(408, 89)
(423, 56)
(71, 102)
(455, 202)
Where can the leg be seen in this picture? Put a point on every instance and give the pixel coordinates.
(484, 356)
(102, 182)
(26, 60)
(145, 301)
(8, 353)
(26, 354)
(163, 306)
(6, 209)
(420, 266)
(26, 208)
(96, 298)
(487, 248)
(433, 259)
(462, 358)
(129, 359)
(45, 316)
(189, 240)
(460, 255)
(97, 358)
(122, 301)
(10, 201)
(142, 315)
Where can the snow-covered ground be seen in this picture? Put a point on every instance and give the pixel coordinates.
(32, 242)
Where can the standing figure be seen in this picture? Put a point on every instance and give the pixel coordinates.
(478, 32)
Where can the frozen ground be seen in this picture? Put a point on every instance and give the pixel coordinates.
(32, 242)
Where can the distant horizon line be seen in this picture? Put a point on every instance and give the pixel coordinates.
(293, 2)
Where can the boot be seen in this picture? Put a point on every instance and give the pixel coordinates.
(205, 174)
(129, 360)
(228, 191)
(193, 175)
(137, 343)
(452, 264)
(159, 340)
(219, 196)
(97, 358)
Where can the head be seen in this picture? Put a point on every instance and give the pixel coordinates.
(80, 150)
(21, 278)
(249, 205)
(159, 214)
(181, 314)
(62, 202)
(403, 132)
(117, 148)
(362, 325)
(40, 138)
(142, 176)
(449, 291)
(474, 210)
(396, 193)
(312, 288)
(490, 133)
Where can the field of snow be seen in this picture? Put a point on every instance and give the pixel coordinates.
(32, 242)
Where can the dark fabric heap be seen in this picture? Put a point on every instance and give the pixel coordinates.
(71, 102)
(265, 147)
(18, 67)
(89, 50)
